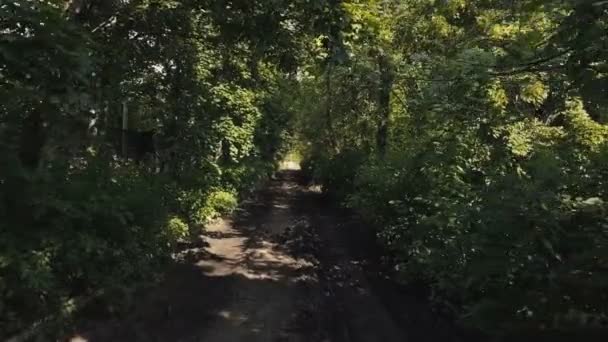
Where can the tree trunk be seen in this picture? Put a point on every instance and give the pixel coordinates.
(125, 127)
(328, 107)
(32, 139)
(384, 102)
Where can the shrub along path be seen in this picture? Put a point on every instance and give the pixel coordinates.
(281, 269)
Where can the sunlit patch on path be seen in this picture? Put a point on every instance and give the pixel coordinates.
(234, 254)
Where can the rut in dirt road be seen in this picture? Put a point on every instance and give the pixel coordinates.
(278, 270)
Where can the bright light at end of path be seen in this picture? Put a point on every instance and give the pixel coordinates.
(290, 165)
(78, 339)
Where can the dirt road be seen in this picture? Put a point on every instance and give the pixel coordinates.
(284, 268)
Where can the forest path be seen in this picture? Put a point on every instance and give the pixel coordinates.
(279, 270)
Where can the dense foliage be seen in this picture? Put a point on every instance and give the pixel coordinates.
(473, 134)
(124, 125)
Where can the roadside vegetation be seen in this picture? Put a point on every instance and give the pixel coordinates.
(471, 135)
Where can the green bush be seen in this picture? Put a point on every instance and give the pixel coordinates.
(336, 173)
(70, 233)
(217, 203)
(222, 202)
(247, 176)
(176, 229)
(506, 245)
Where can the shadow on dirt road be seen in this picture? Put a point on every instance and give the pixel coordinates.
(285, 267)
